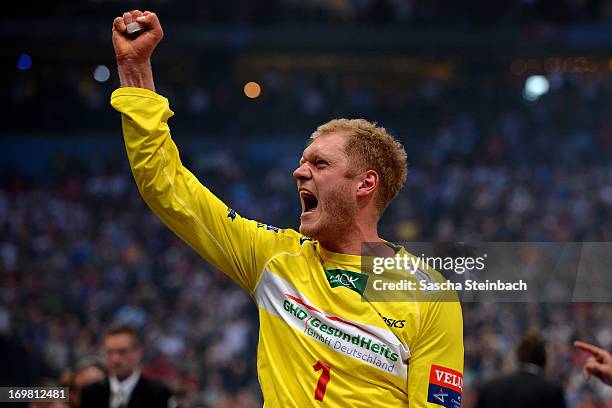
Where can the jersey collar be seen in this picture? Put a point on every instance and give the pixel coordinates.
(346, 259)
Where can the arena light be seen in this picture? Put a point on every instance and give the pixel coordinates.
(101, 73)
(535, 87)
(252, 90)
(24, 62)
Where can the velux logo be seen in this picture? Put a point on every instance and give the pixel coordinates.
(352, 280)
(445, 387)
(447, 377)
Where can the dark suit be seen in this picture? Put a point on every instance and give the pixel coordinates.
(146, 394)
(522, 389)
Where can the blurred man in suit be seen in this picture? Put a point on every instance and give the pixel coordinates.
(527, 388)
(124, 387)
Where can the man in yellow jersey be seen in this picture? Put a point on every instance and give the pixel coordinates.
(320, 343)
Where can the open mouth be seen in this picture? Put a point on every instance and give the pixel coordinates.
(309, 201)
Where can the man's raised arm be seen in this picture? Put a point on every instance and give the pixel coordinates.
(134, 54)
(233, 244)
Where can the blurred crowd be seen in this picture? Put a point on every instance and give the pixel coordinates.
(473, 12)
(80, 250)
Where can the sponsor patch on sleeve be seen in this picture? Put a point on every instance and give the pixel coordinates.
(445, 386)
(231, 214)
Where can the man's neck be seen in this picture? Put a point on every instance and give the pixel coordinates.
(351, 242)
(132, 376)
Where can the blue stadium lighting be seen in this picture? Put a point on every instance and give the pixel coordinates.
(535, 86)
(101, 73)
(24, 62)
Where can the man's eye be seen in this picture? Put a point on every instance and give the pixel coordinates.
(321, 163)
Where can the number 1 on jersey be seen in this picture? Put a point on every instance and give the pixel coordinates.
(323, 379)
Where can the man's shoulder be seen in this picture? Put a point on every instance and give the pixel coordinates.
(152, 387)
(274, 231)
(150, 393)
(522, 377)
(97, 386)
(288, 238)
(543, 383)
(94, 392)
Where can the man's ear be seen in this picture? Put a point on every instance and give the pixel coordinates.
(368, 184)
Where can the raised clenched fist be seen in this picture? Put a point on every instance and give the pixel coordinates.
(137, 47)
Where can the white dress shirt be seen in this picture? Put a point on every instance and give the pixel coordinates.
(121, 391)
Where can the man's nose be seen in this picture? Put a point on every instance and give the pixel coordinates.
(302, 172)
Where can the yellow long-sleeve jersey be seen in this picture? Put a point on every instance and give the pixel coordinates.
(320, 344)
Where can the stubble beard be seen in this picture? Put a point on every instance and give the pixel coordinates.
(337, 219)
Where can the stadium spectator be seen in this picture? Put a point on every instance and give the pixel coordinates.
(125, 387)
(88, 370)
(527, 388)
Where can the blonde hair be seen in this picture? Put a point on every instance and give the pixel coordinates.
(372, 147)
